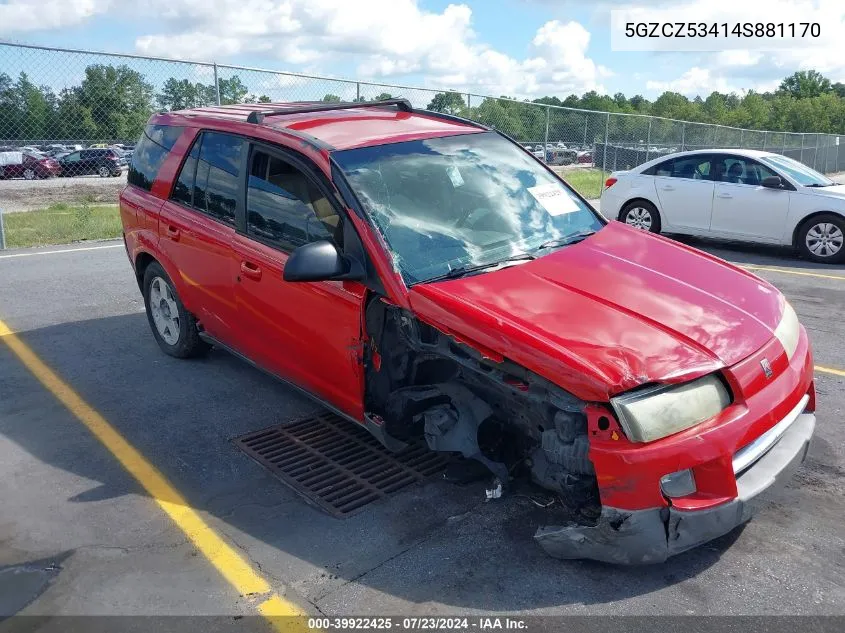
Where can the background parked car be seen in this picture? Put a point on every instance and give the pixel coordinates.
(29, 165)
(745, 195)
(584, 157)
(103, 162)
(559, 156)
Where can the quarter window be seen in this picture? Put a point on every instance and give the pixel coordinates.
(150, 152)
(285, 207)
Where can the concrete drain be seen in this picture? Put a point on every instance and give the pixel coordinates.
(336, 464)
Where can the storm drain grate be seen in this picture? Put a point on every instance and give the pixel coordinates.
(337, 464)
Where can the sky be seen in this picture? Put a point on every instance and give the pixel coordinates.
(520, 48)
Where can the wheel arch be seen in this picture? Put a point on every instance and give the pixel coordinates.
(637, 199)
(801, 223)
(142, 261)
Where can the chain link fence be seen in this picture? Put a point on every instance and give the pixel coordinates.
(54, 102)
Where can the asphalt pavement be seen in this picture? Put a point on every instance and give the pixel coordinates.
(78, 535)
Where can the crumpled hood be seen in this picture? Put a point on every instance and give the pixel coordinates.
(620, 309)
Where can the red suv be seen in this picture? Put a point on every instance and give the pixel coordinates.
(425, 276)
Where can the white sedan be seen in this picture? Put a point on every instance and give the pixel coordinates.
(742, 195)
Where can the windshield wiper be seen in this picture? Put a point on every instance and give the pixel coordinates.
(566, 241)
(465, 270)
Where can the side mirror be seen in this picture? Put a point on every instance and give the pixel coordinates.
(321, 261)
(772, 182)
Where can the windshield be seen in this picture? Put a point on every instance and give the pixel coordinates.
(457, 202)
(799, 172)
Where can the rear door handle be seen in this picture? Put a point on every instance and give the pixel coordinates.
(248, 269)
(668, 188)
(173, 233)
(724, 195)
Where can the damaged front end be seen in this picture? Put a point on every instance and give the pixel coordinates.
(422, 382)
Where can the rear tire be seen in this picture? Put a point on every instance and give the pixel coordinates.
(174, 328)
(29, 174)
(822, 239)
(104, 172)
(641, 214)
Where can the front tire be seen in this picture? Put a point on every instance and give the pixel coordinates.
(175, 329)
(29, 174)
(641, 214)
(822, 239)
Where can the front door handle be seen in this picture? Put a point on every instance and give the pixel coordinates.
(668, 188)
(248, 269)
(173, 233)
(724, 195)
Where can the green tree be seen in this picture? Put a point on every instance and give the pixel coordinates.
(118, 100)
(330, 98)
(447, 102)
(805, 84)
(182, 94)
(232, 90)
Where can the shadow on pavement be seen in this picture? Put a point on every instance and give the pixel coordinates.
(433, 543)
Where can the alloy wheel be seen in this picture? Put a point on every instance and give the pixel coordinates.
(164, 310)
(824, 239)
(639, 217)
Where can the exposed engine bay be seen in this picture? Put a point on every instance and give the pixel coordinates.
(422, 382)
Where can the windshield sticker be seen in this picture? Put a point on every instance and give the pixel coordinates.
(554, 199)
(455, 176)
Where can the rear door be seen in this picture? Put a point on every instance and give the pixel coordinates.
(72, 164)
(685, 190)
(742, 207)
(197, 228)
(88, 163)
(306, 332)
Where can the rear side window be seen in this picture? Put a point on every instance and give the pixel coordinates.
(210, 176)
(153, 147)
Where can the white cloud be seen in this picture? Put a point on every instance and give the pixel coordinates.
(17, 16)
(385, 39)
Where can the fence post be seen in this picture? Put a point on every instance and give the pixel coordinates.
(816, 155)
(546, 142)
(2, 232)
(683, 135)
(802, 148)
(648, 140)
(714, 135)
(765, 138)
(469, 101)
(783, 151)
(216, 84)
(357, 91)
(741, 135)
(586, 121)
(604, 158)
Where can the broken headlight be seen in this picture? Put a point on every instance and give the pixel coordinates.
(655, 412)
(788, 330)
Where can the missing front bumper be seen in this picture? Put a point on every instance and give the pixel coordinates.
(635, 537)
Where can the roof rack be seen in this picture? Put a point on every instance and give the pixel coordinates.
(257, 116)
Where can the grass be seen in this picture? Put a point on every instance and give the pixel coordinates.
(64, 223)
(587, 181)
(61, 224)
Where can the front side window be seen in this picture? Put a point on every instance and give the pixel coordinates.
(738, 170)
(799, 172)
(458, 202)
(152, 149)
(285, 207)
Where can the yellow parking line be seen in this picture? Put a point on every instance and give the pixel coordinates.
(830, 370)
(231, 565)
(790, 272)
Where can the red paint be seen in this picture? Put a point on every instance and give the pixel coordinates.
(618, 310)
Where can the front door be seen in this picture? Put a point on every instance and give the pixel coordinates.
(306, 332)
(742, 207)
